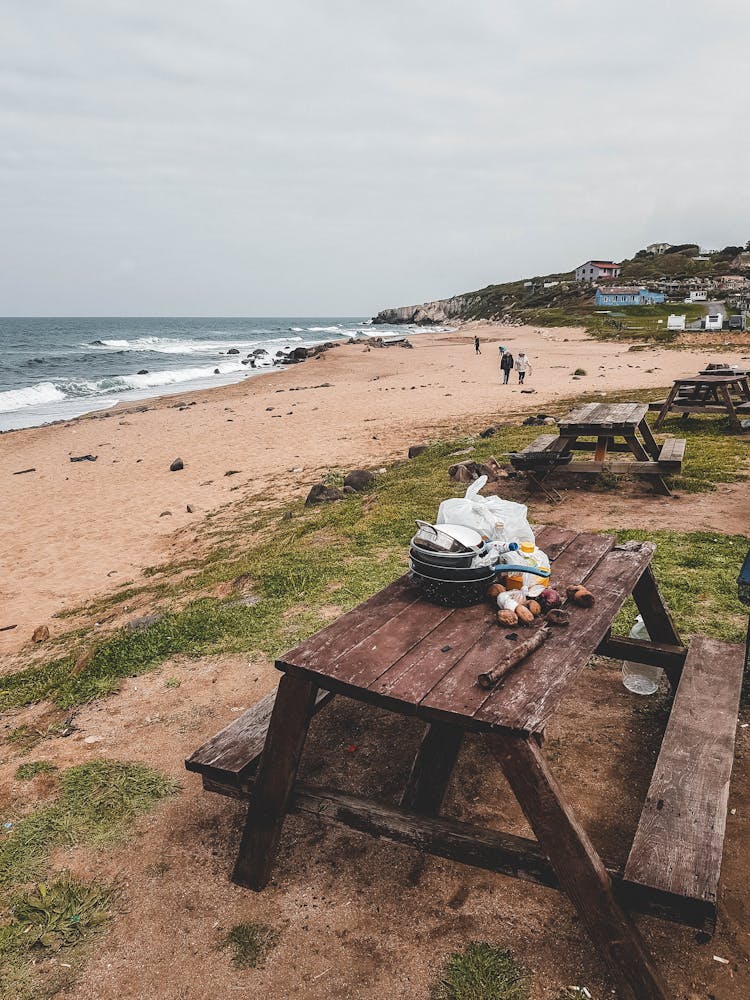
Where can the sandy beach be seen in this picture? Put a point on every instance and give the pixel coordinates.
(73, 530)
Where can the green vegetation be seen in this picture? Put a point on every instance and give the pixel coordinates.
(250, 944)
(95, 805)
(331, 555)
(481, 972)
(580, 371)
(29, 771)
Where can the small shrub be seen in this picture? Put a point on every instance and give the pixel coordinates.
(56, 914)
(481, 972)
(250, 944)
(28, 771)
(580, 371)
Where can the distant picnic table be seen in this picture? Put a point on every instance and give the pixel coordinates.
(401, 653)
(708, 392)
(603, 428)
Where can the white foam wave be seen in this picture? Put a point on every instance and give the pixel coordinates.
(62, 389)
(171, 345)
(30, 395)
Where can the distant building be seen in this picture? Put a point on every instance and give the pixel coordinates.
(594, 270)
(733, 281)
(676, 322)
(627, 296)
(550, 284)
(658, 248)
(698, 296)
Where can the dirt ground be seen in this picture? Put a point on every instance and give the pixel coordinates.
(366, 919)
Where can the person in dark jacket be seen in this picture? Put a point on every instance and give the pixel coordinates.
(476, 346)
(506, 366)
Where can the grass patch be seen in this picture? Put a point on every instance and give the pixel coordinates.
(43, 916)
(29, 770)
(481, 972)
(95, 804)
(250, 944)
(697, 575)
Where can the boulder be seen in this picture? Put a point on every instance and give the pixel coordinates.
(359, 480)
(177, 465)
(320, 493)
(233, 350)
(143, 371)
(488, 432)
(40, 634)
(416, 449)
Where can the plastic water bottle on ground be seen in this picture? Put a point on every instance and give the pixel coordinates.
(639, 678)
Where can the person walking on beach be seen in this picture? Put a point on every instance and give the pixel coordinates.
(522, 366)
(506, 365)
(476, 346)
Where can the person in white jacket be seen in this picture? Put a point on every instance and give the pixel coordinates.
(522, 366)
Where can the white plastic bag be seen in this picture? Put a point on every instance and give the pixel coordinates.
(497, 519)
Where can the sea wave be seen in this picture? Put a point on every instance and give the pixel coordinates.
(61, 389)
(171, 345)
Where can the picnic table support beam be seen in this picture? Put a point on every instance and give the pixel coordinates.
(734, 420)
(667, 406)
(578, 867)
(642, 456)
(431, 771)
(277, 771)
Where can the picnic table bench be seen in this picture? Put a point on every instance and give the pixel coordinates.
(399, 652)
(708, 392)
(619, 428)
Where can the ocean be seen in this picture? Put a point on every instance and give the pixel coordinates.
(55, 369)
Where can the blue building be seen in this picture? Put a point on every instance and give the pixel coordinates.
(627, 296)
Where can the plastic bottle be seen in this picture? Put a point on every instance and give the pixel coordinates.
(639, 678)
(532, 556)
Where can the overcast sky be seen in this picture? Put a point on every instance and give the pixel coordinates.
(175, 157)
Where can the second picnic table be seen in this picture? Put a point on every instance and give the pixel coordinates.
(597, 427)
(708, 393)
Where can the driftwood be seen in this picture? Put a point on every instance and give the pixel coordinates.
(517, 654)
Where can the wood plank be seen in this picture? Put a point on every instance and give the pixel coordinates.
(579, 414)
(532, 692)
(468, 844)
(232, 754)
(621, 468)
(458, 693)
(578, 867)
(539, 444)
(354, 625)
(654, 654)
(656, 615)
(672, 452)
(679, 841)
(277, 773)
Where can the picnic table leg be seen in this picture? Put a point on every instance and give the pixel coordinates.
(651, 446)
(657, 617)
(600, 452)
(734, 420)
(273, 785)
(667, 406)
(432, 768)
(642, 455)
(578, 867)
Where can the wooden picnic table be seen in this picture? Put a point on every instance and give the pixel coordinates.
(399, 652)
(708, 393)
(607, 428)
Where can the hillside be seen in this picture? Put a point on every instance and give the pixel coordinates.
(566, 302)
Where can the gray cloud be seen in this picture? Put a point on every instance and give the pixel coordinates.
(331, 158)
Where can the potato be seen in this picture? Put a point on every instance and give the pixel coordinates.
(508, 618)
(580, 596)
(495, 589)
(534, 607)
(525, 617)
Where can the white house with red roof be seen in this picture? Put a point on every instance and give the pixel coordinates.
(597, 270)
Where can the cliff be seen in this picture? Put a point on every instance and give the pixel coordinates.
(429, 313)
